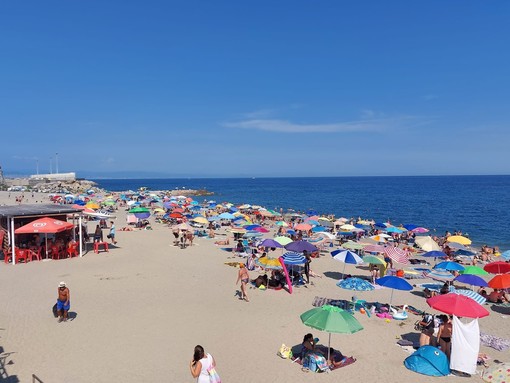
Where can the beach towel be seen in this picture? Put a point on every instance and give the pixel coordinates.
(495, 342)
(412, 310)
(321, 301)
(465, 345)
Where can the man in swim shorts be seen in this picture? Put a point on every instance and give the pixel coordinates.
(63, 302)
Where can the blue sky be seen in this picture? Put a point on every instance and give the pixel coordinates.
(255, 88)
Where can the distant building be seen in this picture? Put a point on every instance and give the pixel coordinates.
(51, 177)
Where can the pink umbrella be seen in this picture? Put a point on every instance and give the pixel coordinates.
(459, 305)
(303, 226)
(420, 230)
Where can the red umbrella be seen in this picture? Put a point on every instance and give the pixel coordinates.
(175, 215)
(459, 305)
(44, 225)
(497, 267)
(501, 281)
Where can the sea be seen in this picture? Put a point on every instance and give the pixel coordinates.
(479, 206)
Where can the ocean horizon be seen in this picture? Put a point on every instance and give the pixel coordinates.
(477, 205)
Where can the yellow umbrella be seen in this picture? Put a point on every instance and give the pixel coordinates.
(201, 220)
(239, 230)
(92, 205)
(269, 263)
(459, 239)
(159, 210)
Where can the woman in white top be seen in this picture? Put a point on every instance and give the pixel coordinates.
(200, 364)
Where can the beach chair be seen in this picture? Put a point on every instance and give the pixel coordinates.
(72, 250)
(34, 254)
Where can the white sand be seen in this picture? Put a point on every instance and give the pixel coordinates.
(142, 307)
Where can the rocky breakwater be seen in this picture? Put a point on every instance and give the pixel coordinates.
(67, 187)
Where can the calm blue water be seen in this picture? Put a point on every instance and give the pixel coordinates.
(477, 205)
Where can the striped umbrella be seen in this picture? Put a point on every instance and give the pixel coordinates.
(397, 254)
(292, 258)
(440, 275)
(346, 256)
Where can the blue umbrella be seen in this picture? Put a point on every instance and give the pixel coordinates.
(506, 255)
(434, 253)
(394, 283)
(380, 224)
(291, 258)
(270, 243)
(440, 275)
(311, 212)
(465, 252)
(394, 230)
(317, 229)
(470, 279)
(251, 227)
(410, 226)
(356, 284)
(227, 216)
(300, 246)
(344, 233)
(450, 266)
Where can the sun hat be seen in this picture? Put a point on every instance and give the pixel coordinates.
(62, 284)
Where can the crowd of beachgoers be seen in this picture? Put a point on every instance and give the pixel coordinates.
(290, 250)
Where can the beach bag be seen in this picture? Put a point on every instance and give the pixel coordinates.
(213, 374)
(284, 352)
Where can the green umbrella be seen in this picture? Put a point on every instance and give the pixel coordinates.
(352, 245)
(331, 319)
(139, 210)
(283, 240)
(373, 260)
(474, 270)
(108, 202)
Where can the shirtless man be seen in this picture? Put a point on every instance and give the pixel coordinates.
(63, 301)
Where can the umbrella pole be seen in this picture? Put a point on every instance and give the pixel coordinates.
(391, 298)
(343, 271)
(46, 244)
(329, 346)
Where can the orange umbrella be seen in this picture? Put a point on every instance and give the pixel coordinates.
(501, 281)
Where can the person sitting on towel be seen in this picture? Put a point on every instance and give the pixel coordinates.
(336, 358)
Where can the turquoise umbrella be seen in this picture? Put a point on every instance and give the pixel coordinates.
(331, 319)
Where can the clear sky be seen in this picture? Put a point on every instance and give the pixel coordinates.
(255, 88)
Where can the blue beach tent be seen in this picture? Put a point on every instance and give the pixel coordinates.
(428, 360)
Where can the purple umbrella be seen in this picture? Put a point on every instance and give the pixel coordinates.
(270, 243)
(471, 279)
(300, 246)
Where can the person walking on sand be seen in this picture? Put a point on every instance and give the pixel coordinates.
(112, 233)
(201, 364)
(244, 277)
(63, 301)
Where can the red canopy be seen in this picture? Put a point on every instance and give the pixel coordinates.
(501, 281)
(459, 305)
(44, 225)
(497, 267)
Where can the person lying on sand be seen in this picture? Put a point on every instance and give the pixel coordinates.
(221, 243)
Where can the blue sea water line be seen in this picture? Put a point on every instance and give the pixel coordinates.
(477, 205)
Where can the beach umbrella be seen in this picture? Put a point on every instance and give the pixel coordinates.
(450, 266)
(283, 240)
(352, 245)
(394, 283)
(397, 254)
(260, 230)
(474, 270)
(344, 233)
(420, 230)
(497, 267)
(470, 279)
(459, 239)
(347, 227)
(226, 216)
(346, 256)
(500, 281)
(373, 260)
(506, 255)
(300, 246)
(303, 227)
(440, 275)
(427, 243)
(380, 237)
(331, 319)
(269, 263)
(466, 252)
(251, 227)
(201, 220)
(373, 249)
(282, 223)
(138, 210)
(92, 205)
(271, 243)
(434, 253)
(292, 258)
(355, 284)
(239, 230)
(394, 229)
(471, 294)
(457, 246)
(410, 226)
(325, 234)
(458, 305)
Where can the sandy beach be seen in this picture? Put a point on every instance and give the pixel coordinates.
(138, 311)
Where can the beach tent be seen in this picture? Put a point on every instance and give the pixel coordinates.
(428, 360)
